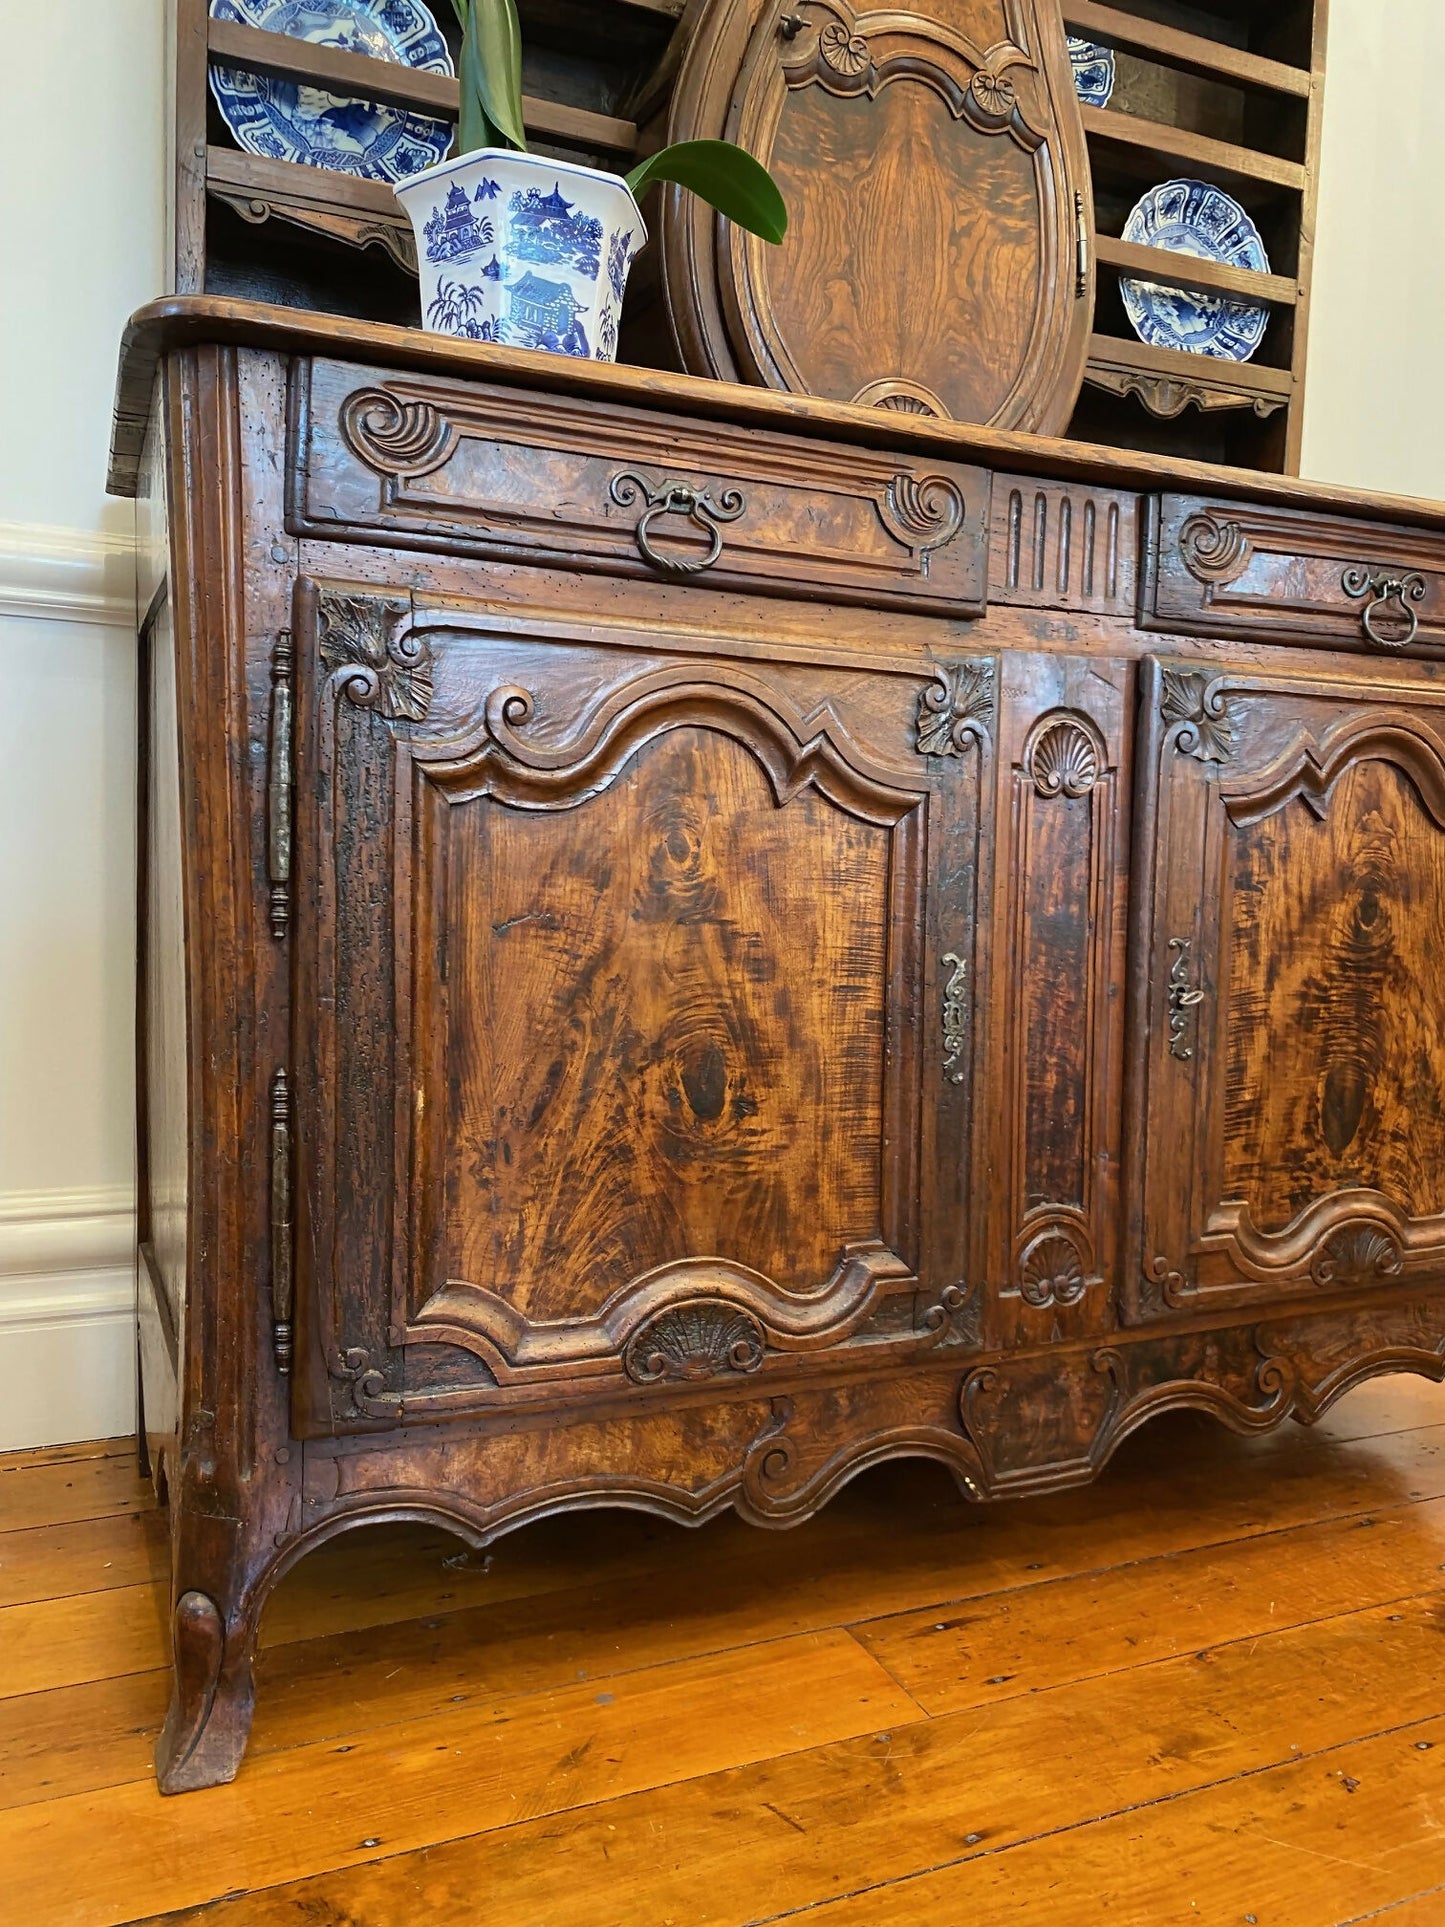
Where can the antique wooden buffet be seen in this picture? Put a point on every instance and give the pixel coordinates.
(697, 940)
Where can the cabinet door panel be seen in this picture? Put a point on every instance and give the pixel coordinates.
(611, 971)
(1290, 1091)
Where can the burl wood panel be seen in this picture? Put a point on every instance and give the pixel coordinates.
(662, 1031)
(1337, 1002)
(1291, 1131)
(934, 173)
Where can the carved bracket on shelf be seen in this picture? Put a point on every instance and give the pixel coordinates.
(1167, 397)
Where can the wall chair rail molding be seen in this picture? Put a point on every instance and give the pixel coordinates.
(66, 575)
(67, 1315)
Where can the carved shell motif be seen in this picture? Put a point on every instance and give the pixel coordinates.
(846, 53)
(1051, 1273)
(692, 1342)
(1065, 761)
(1214, 551)
(1363, 1255)
(397, 436)
(923, 512)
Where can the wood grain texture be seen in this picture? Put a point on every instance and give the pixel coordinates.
(931, 164)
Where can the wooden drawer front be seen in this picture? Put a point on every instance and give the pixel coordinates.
(1229, 569)
(515, 476)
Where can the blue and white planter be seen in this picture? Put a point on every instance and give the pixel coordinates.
(524, 250)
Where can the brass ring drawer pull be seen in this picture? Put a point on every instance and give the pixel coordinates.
(1390, 597)
(678, 498)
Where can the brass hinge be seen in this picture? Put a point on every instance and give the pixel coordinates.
(281, 1274)
(278, 787)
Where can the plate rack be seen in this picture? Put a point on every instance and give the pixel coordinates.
(1231, 92)
(1228, 91)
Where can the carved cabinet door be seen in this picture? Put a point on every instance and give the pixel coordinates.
(1288, 1025)
(933, 164)
(612, 964)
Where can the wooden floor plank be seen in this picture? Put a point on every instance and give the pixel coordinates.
(33, 1455)
(1398, 1403)
(1309, 1845)
(89, 1555)
(761, 1841)
(93, 1860)
(55, 1492)
(1070, 1629)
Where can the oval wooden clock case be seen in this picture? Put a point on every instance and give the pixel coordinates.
(938, 190)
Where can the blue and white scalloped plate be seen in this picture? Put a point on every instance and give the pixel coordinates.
(281, 120)
(1093, 70)
(1191, 217)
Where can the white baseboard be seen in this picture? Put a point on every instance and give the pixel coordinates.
(67, 1316)
(66, 575)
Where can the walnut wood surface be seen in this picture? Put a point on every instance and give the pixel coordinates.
(663, 1036)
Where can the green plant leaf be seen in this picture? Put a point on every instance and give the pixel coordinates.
(459, 8)
(492, 71)
(726, 176)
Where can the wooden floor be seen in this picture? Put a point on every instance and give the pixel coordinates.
(1211, 1689)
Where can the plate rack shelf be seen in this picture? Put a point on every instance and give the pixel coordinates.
(1229, 91)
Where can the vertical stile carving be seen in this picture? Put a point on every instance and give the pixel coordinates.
(278, 787)
(281, 1273)
(1015, 536)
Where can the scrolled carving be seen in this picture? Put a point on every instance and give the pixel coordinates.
(1052, 1271)
(708, 1338)
(372, 662)
(1199, 703)
(1214, 551)
(923, 513)
(956, 708)
(1172, 1285)
(1064, 760)
(1361, 1254)
(367, 1383)
(955, 1318)
(770, 1459)
(395, 435)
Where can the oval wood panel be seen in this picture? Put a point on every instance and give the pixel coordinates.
(931, 167)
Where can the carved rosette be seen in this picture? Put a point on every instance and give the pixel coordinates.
(844, 53)
(1064, 760)
(956, 708)
(1362, 1254)
(372, 661)
(395, 435)
(708, 1338)
(1214, 551)
(992, 99)
(1205, 713)
(1052, 1271)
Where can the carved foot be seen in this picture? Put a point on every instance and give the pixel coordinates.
(209, 1720)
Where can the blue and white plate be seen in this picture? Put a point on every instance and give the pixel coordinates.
(1191, 217)
(283, 121)
(1093, 71)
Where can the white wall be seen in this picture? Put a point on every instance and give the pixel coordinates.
(80, 247)
(1375, 413)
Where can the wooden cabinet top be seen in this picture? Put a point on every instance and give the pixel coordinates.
(181, 322)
